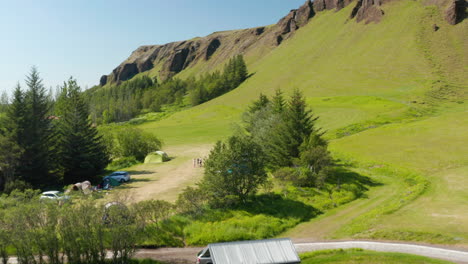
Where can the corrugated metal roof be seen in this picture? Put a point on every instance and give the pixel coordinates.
(269, 251)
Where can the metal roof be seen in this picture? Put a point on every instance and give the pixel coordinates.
(269, 251)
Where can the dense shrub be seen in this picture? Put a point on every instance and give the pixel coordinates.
(242, 226)
(128, 142)
(124, 162)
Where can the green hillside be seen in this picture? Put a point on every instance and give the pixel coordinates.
(392, 97)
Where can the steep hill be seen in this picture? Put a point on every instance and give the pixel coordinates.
(389, 82)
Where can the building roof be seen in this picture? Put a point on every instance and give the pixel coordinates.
(267, 251)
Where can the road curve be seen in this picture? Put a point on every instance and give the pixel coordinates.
(457, 256)
(188, 255)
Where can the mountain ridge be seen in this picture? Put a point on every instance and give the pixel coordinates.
(169, 59)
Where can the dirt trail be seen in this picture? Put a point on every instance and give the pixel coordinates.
(165, 181)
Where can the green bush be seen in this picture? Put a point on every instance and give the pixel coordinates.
(242, 226)
(121, 163)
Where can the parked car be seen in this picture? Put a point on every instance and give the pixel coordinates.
(204, 257)
(53, 195)
(120, 176)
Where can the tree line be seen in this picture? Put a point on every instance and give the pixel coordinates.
(117, 103)
(46, 141)
(81, 231)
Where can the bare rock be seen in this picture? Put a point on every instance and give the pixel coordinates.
(320, 5)
(367, 10)
(177, 61)
(172, 58)
(126, 72)
(304, 13)
(456, 12)
(212, 47)
(103, 80)
(258, 31)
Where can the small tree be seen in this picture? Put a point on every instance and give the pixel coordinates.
(133, 142)
(234, 168)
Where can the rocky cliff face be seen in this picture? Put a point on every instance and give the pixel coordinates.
(173, 58)
(368, 11)
(456, 12)
(216, 48)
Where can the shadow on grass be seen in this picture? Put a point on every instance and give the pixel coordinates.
(133, 173)
(277, 206)
(343, 175)
(141, 180)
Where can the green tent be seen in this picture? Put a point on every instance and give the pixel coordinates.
(156, 157)
(112, 182)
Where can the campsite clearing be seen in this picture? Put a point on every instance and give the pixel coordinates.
(166, 180)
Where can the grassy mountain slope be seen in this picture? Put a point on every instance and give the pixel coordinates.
(393, 99)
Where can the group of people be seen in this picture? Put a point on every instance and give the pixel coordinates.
(198, 162)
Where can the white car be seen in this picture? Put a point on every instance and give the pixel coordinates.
(53, 195)
(120, 176)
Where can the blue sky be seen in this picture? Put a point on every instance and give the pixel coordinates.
(88, 38)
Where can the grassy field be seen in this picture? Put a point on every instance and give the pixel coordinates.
(364, 257)
(392, 98)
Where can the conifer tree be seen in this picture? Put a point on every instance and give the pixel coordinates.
(240, 70)
(16, 117)
(278, 103)
(82, 151)
(289, 135)
(36, 135)
(260, 103)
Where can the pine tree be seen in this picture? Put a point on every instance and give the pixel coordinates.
(82, 151)
(260, 103)
(16, 117)
(35, 138)
(240, 69)
(296, 127)
(299, 122)
(278, 103)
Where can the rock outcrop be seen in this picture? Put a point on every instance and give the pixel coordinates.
(456, 12)
(103, 80)
(320, 5)
(214, 49)
(367, 10)
(295, 19)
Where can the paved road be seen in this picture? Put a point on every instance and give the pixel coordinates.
(428, 251)
(188, 255)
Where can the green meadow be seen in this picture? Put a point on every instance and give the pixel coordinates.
(364, 256)
(392, 99)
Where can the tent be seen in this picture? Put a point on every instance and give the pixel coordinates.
(109, 182)
(157, 157)
(268, 251)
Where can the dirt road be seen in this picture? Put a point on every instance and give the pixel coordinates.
(165, 181)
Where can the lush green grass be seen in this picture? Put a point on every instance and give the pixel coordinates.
(363, 257)
(434, 148)
(392, 97)
(264, 216)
